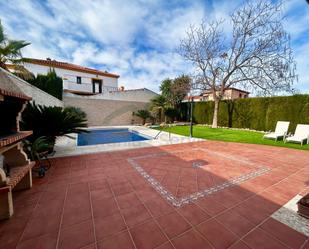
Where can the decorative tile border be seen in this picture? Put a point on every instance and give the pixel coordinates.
(193, 197)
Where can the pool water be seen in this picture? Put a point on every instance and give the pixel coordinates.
(108, 136)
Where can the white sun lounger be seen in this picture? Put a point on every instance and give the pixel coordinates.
(280, 131)
(301, 134)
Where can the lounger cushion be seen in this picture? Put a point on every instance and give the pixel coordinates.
(273, 135)
(295, 139)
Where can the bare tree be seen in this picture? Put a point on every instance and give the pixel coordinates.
(255, 53)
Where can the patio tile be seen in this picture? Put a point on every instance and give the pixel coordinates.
(192, 240)
(47, 241)
(51, 195)
(306, 245)
(239, 245)
(77, 199)
(109, 225)
(158, 206)
(210, 205)
(98, 184)
(103, 193)
(38, 226)
(76, 214)
(217, 234)
(110, 174)
(119, 241)
(127, 200)
(148, 235)
(254, 214)
(52, 208)
(9, 246)
(240, 193)
(27, 199)
(167, 245)
(92, 246)
(11, 230)
(135, 215)
(173, 224)
(104, 207)
(235, 222)
(261, 203)
(77, 236)
(193, 214)
(115, 178)
(259, 239)
(147, 194)
(284, 233)
(226, 198)
(23, 212)
(122, 188)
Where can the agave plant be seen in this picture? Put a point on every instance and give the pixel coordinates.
(51, 122)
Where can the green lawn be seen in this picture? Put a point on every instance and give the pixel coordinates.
(229, 135)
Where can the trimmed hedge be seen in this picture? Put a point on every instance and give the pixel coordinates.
(253, 113)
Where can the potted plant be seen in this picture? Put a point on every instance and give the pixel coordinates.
(303, 206)
(38, 151)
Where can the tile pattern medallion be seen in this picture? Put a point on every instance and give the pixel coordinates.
(182, 177)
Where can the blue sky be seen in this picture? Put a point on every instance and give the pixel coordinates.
(137, 39)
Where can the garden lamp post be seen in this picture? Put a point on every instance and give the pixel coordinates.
(191, 114)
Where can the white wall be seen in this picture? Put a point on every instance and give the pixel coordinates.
(69, 77)
(107, 112)
(138, 95)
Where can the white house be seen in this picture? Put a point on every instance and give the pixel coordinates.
(76, 79)
(95, 92)
(229, 94)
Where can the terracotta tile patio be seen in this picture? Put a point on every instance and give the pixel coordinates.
(193, 195)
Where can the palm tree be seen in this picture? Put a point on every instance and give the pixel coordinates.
(143, 114)
(10, 51)
(158, 105)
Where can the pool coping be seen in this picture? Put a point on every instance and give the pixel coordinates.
(66, 146)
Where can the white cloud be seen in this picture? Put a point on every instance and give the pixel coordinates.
(166, 28)
(296, 17)
(136, 39)
(302, 55)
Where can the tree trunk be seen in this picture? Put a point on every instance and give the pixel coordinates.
(216, 111)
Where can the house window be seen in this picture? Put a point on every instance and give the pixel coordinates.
(78, 80)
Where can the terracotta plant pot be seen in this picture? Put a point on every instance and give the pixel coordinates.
(303, 206)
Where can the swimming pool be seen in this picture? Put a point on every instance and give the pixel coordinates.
(106, 136)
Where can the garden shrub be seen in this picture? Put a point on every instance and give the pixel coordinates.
(76, 111)
(50, 122)
(253, 113)
(50, 83)
(171, 113)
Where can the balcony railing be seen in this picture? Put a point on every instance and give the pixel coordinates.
(85, 87)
